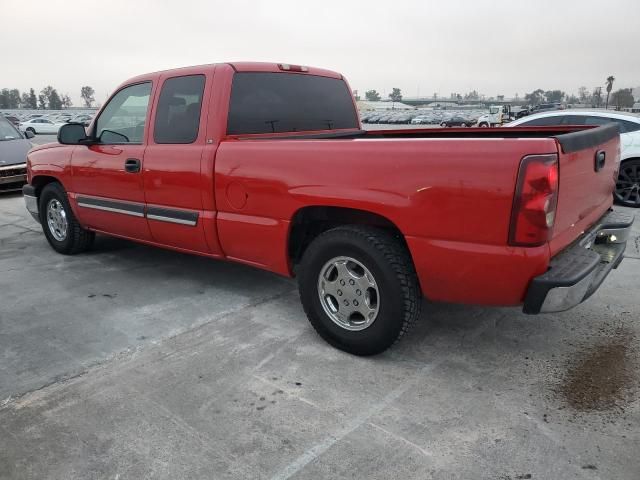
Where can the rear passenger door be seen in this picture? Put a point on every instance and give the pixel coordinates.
(173, 177)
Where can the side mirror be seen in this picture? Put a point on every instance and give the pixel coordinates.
(29, 134)
(71, 134)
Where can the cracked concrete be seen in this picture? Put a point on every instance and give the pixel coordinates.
(133, 362)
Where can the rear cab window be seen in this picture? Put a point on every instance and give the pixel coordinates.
(265, 102)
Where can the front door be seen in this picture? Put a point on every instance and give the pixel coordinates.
(107, 176)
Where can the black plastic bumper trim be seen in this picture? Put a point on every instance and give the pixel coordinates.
(29, 190)
(584, 261)
(171, 215)
(135, 209)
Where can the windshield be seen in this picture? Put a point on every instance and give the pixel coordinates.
(8, 131)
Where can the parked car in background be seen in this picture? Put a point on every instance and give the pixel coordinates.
(40, 125)
(545, 107)
(13, 156)
(627, 190)
(13, 119)
(457, 121)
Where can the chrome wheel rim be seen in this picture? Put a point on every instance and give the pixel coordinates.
(348, 293)
(57, 220)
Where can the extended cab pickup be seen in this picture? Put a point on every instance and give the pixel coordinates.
(267, 164)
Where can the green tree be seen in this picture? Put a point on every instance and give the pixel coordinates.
(372, 96)
(4, 98)
(13, 98)
(66, 101)
(42, 102)
(610, 80)
(554, 96)
(55, 103)
(52, 97)
(536, 97)
(395, 96)
(33, 100)
(87, 93)
(623, 98)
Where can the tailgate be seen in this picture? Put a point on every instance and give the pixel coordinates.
(588, 167)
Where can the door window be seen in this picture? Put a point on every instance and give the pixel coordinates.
(624, 125)
(123, 119)
(178, 115)
(543, 121)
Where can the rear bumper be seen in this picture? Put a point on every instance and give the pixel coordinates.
(577, 272)
(31, 201)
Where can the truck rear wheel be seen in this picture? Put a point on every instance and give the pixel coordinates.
(59, 224)
(359, 289)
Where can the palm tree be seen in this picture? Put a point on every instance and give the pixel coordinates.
(610, 80)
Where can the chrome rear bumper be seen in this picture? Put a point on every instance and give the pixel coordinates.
(577, 272)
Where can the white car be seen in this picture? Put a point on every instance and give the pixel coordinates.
(39, 125)
(628, 186)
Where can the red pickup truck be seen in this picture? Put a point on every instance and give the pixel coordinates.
(267, 164)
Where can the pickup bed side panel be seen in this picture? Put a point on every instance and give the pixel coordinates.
(451, 198)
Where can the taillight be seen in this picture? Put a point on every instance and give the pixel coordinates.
(535, 202)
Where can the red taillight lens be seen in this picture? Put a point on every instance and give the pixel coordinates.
(534, 205)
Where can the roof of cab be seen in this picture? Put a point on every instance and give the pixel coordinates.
(275, 67)
(237, 66)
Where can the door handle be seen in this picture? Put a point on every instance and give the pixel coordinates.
(600, 160)
(132, 165)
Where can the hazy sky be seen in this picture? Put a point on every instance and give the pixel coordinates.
(444, 46)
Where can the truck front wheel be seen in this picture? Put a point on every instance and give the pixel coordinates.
(359, 288)
(59, 224)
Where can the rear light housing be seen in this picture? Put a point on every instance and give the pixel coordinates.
(292, 68)
(535, 202)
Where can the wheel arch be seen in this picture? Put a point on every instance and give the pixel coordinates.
(310, 221)
(40, 181)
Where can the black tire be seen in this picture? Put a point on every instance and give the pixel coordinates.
(484, 125)
(77, 239)
(627, 190)
(388, 260)
(31, 129)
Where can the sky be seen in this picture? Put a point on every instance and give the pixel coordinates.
(493, 46)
